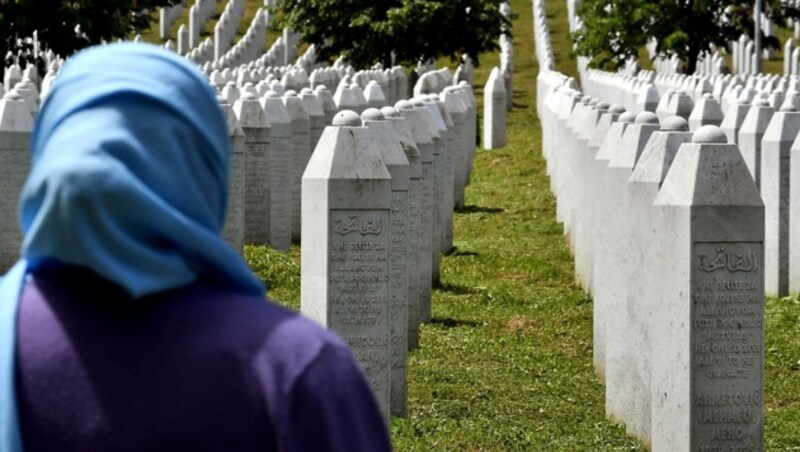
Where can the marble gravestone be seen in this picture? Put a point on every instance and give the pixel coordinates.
(420, 128)
(345, 257)
(388, 142)
(707, 381)
(280, 165)
(775, 163)
(643, 185)
(750, 135)
(256, 136)
(413, 156)
(494, 111)
(233, 231)
(438, 134)
(301, 153)
(16, 126)
(316, 116)
(610, 288)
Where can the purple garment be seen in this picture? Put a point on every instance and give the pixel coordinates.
(197, 368)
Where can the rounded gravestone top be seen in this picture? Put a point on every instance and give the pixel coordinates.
(594, 101)
(354, 85)
(627, 117)
(403, 105)
(372, 82)
(321, 88)
(290, 93)
(249, 85)
(417, 103)
(646, 117)
(347, 118)
(602, 106)
(709, 134)
(681, 93)
(272, 95)
(675, 124)
(306, 91)
(787, 105)
(463, 83)
(586, 100)
(249, 97)
(617, 108)
(222, 100)
(708, 96)
(761, 103)
(12, 95)
(389, 112)
(742, 100)
(434, 97)
(372, 114)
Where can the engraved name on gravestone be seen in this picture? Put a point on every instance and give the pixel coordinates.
(727, 351)
(345, 255)
(359, 287)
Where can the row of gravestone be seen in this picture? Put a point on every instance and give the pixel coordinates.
(378, 198)
(272, 138)
(646, 89)
(764, 121)
(668, 231)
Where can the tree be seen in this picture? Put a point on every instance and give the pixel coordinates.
(366, 32)
(615, 31)
(55, 22)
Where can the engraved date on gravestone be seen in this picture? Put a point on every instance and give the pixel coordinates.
(727, 335)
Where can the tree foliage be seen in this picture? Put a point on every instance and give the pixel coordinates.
(615, 30)
(366, 32)
(55, 22)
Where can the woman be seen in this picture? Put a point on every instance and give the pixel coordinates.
(129, 324)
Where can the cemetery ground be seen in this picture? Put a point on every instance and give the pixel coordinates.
(506, 363)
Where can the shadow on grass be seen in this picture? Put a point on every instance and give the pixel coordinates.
(479, 209)
(449, 322)
(456, 289)
(461, 253)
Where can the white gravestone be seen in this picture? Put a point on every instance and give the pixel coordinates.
(750, 135)
(494, 112)
(301, 153)
(316, 115)
(280, 171)
(345, 282)
(706, 111)
(708, 343)
(643, 187)
(388, 141)
(610, 288)
(733, 120)
(439, 137)
(256, 132)
(422, 133)
(233, 231)
(328, 105)
(604, 202)
(16, 125)
(413, 156)
(775, 163)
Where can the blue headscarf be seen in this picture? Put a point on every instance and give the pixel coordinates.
(130, 179)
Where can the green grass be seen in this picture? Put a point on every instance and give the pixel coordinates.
(506, 363)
